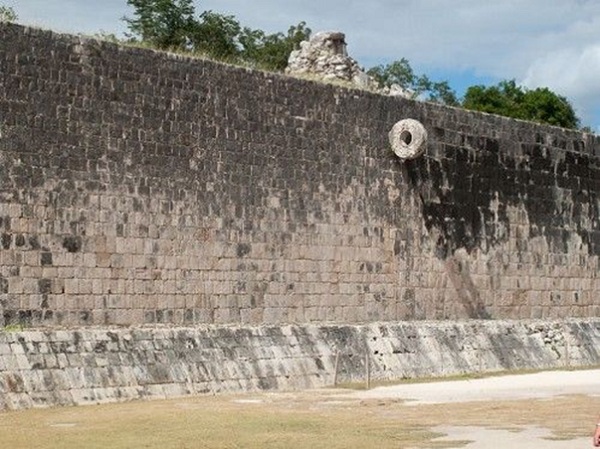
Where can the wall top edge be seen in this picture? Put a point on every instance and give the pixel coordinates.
(592, 140)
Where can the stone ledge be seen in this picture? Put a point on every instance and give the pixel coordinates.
(95, 365)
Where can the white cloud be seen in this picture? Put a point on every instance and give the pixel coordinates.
(574, 73)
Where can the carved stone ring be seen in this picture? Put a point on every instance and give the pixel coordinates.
(408, 139)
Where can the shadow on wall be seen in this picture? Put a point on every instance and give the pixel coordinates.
(476, 195)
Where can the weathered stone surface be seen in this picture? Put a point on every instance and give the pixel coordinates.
(325, 56)
(140, 187)
(408, 139)
(107, 365)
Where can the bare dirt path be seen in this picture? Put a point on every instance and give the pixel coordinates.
(530, 424)
(547, 384)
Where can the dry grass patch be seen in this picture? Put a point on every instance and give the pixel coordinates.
(313, 419)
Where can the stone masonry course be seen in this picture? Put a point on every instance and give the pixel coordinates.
(172, 225)
(139, 187)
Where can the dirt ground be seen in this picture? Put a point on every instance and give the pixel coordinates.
(554, 410)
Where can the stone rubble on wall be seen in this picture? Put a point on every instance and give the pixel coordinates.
(43, 368)
(325, 56)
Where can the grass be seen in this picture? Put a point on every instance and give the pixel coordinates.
(15, 327)
(322, 419)
(200, 423)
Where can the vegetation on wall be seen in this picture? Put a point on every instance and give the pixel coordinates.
(401, 73)
(171, 24)
(510, 100)
(174, 25)
(7, 14)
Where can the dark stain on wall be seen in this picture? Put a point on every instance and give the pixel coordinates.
(72, 243)
(465, 193)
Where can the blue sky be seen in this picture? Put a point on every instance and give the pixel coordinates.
(540, 43)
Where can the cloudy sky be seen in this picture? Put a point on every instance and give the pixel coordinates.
(540, 43)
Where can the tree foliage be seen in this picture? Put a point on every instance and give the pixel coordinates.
(164, 24)
(272, 50)
(7, 14)
(402, 74)
(216, 35)
(398, 72)
(172, 25)
(510, 100)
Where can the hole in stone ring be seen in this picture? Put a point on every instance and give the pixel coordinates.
(406, 137)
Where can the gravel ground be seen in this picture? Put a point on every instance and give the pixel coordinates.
(544, 385)
(526, 438)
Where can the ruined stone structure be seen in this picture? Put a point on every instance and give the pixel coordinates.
(325, 56)
(141, 188)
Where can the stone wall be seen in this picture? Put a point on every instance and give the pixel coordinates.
(89, 366)
(142, 187)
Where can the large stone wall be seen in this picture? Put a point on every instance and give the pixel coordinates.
(142, 187)
(90, 366)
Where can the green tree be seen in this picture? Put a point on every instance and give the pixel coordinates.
(7, 14)
(398, 72)
(441, 92)
(587, 129)
(164, 24)
(508, 99)
(216, 35)
(544, 106)
(172, 25)
(272, 51)
(402, 74)
(503, 99)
